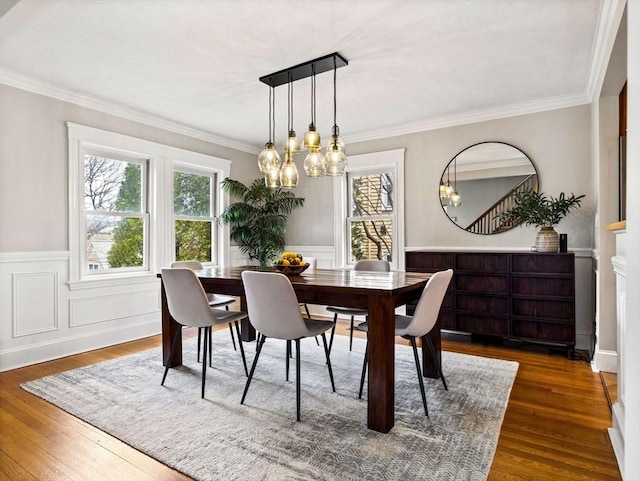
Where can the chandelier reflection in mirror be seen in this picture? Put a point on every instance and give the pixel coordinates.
(316, 164)
(449, 194)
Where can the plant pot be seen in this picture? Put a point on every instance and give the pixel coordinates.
(547, 240)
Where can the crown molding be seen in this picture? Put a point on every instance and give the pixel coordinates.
(496, 113)
(37, 86)
(608, 24)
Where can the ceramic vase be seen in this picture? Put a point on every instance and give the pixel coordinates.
(547, 240)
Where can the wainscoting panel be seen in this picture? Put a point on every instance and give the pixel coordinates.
(90, 310)
(41, 318)
(35, 303)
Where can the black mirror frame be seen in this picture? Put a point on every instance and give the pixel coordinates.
(536, 188)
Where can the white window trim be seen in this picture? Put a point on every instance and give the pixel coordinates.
(216, 199)
(390, 160)
(160, 199)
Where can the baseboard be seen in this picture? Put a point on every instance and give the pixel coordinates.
(605, 361)
(17, 357)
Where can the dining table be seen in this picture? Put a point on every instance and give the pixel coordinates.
(378, 292)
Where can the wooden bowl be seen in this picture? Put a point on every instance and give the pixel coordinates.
(291, 270)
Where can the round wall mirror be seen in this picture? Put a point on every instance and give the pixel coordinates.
(481, 181)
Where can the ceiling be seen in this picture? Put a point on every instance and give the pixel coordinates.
(192, 66)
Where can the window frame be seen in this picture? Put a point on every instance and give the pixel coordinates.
(214, 211)
(143, 214)
(363, 164)
(159, 198)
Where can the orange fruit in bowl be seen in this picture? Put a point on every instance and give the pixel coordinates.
(285, 262)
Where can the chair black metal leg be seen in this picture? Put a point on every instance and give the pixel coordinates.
(233, 338)
(298, 379)
(287, 359)
(173, 349)
(364, 368)
(210, 345)
(333, 331)
(351, 335)
(415, 355)
(435, 360)
(244, 360)
(253, 367)
(207, 342)
(326, 353)
(199, 341)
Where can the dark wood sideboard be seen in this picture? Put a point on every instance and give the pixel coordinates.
(511, 295)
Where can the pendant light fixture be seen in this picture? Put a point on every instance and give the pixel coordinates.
(455, 198)
(314, 161)
(291, 144)
(289, 171)
(335, 161)
(448, 188)
(315, 164)
(269, 159)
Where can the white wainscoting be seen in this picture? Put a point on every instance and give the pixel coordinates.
(42, 319)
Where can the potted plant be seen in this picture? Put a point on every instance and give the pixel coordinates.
(258, 222)
(534, 208)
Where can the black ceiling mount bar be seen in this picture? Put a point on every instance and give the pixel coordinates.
(304, 70)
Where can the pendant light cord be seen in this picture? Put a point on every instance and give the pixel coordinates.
(335, 104)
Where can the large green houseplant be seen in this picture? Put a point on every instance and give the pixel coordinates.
(534, 208)
(258, 221)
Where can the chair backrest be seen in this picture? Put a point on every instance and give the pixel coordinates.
(193, 265)
(372, 265)
(188, 303)
(426, 313)
(273, 306)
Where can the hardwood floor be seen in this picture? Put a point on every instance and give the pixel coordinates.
(555, 427)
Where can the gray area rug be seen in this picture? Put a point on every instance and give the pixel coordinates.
(217, 438)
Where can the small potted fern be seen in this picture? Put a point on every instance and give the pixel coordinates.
(534, 208)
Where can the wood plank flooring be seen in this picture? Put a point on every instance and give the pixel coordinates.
(555, 426)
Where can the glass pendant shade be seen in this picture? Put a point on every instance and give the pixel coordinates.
(311, 139)
(443, 191)
(289, 172)
(456, 200)
(335, 162)
(268, 158)
(335, 135)
(291, 144)
(448, 190)
(314, 163)
(272, 178)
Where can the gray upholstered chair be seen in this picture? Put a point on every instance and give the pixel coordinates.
(363, 265)
(274, 312)
(215, 300)
(418, 325)
(188, 305)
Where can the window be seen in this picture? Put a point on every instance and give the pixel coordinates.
(369, 209)
(370, 224)
(194, 225)
(135, 206)
(115, 216)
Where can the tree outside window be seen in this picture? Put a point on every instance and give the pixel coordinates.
(371, 216)
(194, 224)
(114, 213)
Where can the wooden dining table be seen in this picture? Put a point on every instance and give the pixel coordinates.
(378, 292)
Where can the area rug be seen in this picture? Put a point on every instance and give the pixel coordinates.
(217, 438)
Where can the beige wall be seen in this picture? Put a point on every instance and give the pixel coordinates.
(33, 164)
(558, 142)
